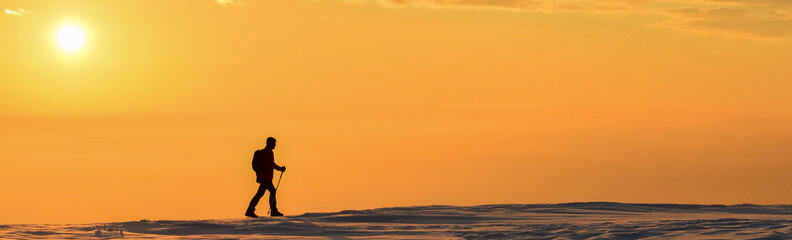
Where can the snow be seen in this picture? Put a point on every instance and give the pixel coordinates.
(592, 220)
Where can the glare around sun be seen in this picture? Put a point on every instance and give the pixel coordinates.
(70, 38)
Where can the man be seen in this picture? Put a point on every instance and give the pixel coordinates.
(264, 164)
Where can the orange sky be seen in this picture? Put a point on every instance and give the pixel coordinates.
(390, 103)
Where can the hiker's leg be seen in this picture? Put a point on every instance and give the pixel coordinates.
(259, 193)
(273, 203)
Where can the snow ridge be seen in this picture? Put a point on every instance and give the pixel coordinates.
(605, 220)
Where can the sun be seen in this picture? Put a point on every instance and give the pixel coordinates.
(71, 38)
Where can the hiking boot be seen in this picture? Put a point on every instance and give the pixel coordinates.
(275, 213)
(251, 214)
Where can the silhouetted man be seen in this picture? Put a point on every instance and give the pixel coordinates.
(264, 164)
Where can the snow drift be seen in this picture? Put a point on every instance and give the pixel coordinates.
(512, 221)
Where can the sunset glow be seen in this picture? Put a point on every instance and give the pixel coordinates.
(124, 110)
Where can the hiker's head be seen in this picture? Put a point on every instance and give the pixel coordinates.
(271, 142)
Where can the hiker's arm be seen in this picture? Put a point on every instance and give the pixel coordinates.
(280, 168)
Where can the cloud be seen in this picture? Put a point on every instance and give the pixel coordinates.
(736, 22)
(764, 3)
(19, 12)
(226, 3)
(527, 5)
(761, 19)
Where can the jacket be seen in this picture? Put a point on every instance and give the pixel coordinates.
(264, 164)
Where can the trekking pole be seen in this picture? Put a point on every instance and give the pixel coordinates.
(276, 190)
(278, 185)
